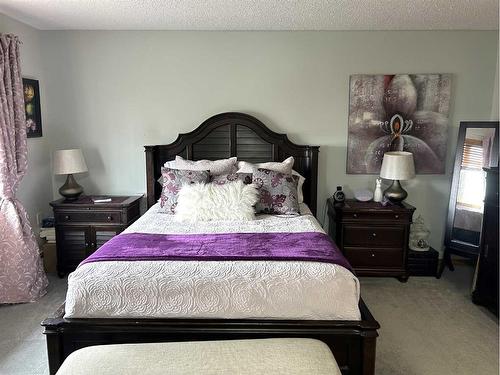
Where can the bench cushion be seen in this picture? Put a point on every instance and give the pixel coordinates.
(244, 357)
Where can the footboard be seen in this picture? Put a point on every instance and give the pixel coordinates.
(352, 342)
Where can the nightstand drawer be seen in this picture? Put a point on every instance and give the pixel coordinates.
(377, 258)
(87, 217)
(355, 235)
(374, 216)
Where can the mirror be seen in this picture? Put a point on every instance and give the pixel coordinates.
(476, 154)
(477, 148)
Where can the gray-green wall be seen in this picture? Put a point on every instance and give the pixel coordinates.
(110, 93)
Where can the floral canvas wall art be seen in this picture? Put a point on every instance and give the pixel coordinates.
(32, 108)
(402, 112)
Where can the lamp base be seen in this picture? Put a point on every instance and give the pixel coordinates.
(70, 190)
(395, 193)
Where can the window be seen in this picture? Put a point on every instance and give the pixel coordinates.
(473, 154)
(472, 185)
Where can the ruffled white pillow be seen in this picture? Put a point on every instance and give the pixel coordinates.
(206, 202)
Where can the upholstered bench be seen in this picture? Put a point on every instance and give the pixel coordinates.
(238, 357)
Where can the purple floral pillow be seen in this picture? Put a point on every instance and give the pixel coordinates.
(277, 192)
(173, 179)
(223, 179)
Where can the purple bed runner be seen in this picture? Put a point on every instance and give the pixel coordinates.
(304, 246)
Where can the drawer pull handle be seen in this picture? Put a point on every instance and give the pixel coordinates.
(86, 244)
(355, 215)
(93, 244)
(374, 234)
(373, 255)
(66, 217)
(110, 218)
(396, 216)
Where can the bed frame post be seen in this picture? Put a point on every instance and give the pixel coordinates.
(369, 352)
(150, 178)
(54, 351)
(55, 347)
(313, 204)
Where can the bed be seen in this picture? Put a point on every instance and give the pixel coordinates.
(350, 332)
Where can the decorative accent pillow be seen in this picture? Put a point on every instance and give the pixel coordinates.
(223, 179)
(168, 164)
(206, 202)
(173, 180)
(216, 167)
(277, 192)
(284, 167)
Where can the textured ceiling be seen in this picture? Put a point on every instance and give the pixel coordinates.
(255, 14)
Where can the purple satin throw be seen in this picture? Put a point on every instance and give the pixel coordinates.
(304, 246)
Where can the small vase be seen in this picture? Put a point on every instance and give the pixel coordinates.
(378, 194)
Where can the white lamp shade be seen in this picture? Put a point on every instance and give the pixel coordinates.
(398, 165)
(69, 161)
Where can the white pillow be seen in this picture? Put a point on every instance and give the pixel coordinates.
(216, 167)
(284, 167)
(206, 202)
(300, 193)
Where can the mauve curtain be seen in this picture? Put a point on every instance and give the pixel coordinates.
(22, 278)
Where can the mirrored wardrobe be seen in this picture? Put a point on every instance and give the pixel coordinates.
(477, 152)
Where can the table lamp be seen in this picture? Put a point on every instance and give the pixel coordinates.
(69, 162)
(396, 166)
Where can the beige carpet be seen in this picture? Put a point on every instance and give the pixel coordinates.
(429, 327)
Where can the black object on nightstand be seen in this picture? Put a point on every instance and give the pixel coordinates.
(374, 238)
(82, 226)
(423, 263)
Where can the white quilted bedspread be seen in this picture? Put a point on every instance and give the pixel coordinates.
(214, 289)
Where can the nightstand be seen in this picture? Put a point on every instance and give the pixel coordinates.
(423, 263)
(374, 238)
(82, 226)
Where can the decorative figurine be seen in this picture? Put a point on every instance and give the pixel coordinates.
(378, 194)
(419, 235)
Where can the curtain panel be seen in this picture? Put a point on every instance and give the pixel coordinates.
(22, 278)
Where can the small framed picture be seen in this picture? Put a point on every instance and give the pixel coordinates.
(32, 108)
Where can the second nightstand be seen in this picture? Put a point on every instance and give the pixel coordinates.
(423, 263)
(374, 238)
(82, 226)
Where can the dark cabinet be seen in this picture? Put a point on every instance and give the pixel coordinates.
(374, 238)
(423, 263)
(75, 241)
(486, 286)
(101, 234)
(83, 226)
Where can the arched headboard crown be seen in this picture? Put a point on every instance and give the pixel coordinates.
(234, 134)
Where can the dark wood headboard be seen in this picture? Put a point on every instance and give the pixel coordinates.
(234, 134)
